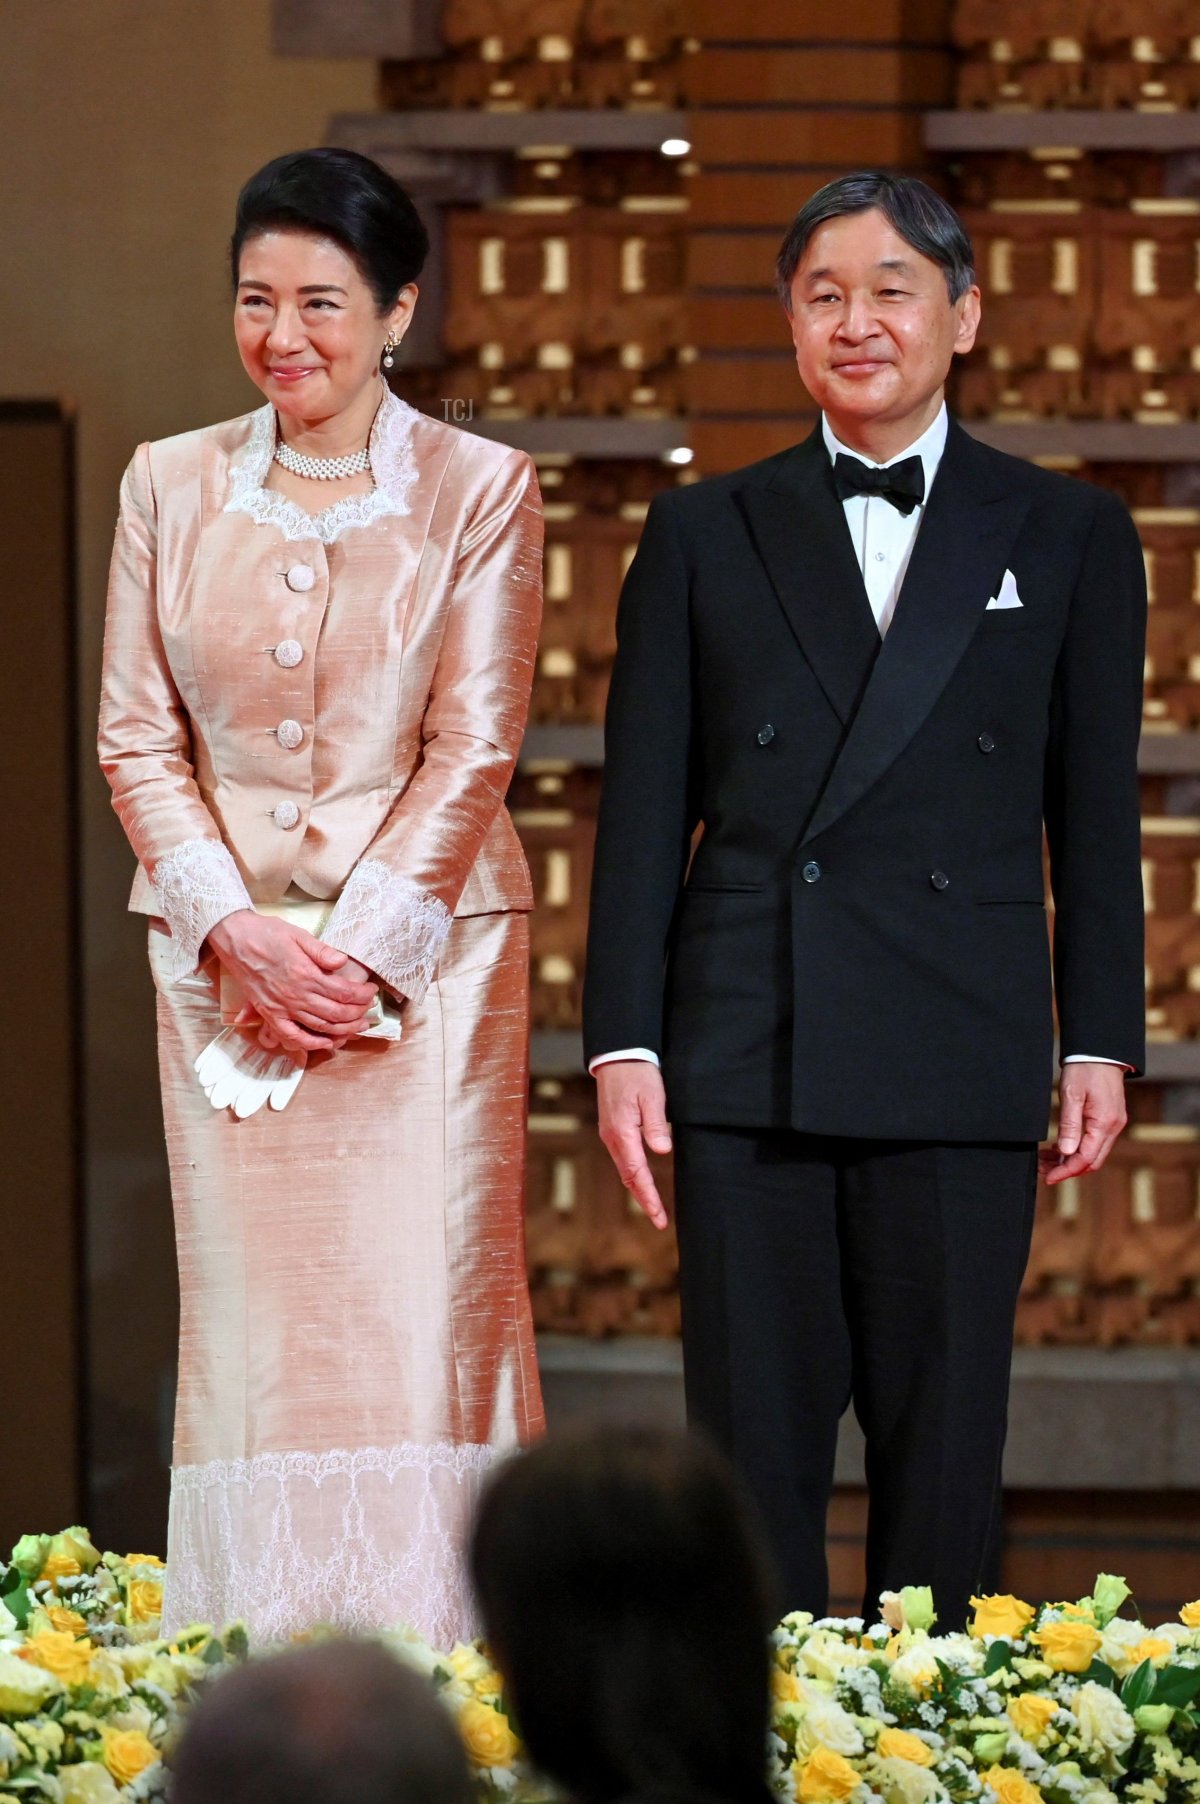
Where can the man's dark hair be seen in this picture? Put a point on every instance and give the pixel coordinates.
(921, 217)
(341, 195)
(627, 1603)
(343, 1722)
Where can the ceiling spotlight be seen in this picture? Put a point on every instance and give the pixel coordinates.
(675, 147)
(679, 454)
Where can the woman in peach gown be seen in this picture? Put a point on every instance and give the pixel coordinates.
(320, 642)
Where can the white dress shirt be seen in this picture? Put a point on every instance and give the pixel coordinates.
(882, 536)
(883, 540)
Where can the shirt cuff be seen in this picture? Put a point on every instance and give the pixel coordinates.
(641, 1054)
(1088, 1058)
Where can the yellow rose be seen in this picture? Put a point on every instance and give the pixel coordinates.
(145, 1559)
(1155, 1648)
(145, 1600)
(1010, 1786)
(1001, 1615)
(487, 1735)
(785, 1687)
(1189, 1616)
(1069, 1646)
(127, 1752)
(825, 1778)
(67, 1622)
(897, 1744)
(60, 1654)
(60, 1566)
(1030, 1713)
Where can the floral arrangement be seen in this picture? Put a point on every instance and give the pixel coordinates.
(1069, 1703)
(90, 1695)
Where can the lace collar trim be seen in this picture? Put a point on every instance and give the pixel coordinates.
(393, 465)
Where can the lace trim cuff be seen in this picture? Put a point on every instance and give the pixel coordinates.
(196, 885)
(390, 925)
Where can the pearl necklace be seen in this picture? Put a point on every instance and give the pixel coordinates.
(323, 469)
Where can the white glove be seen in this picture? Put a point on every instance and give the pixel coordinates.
(237, 1073)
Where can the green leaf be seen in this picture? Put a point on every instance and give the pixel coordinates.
(1178, 1685)
(1100, 1674)
(999, 1655)
(10, 1581)
(1139, 1686)
(214, 1654)
(19, 1603)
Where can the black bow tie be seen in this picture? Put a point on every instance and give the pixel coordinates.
(902, 484)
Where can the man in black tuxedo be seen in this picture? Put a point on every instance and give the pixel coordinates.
(870, 669)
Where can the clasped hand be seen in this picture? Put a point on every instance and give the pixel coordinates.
(308, 996)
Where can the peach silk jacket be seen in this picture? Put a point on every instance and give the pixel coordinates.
(257, 738)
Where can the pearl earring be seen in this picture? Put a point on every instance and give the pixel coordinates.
(390, 349)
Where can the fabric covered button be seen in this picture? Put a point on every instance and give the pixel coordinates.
(939, 880)
(811, 872)
(286, 815)
(290, 734)
(301, 578)
(289, 652)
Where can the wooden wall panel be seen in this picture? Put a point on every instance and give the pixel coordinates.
(850, 138)
(784, 21)
(40, 1335)
(874, 75)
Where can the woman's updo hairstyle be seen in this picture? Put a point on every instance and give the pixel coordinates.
(341, 195)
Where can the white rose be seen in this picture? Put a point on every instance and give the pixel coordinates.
(87, 1783)
(133, 1715)
(824, 1722)
(8, 1622)
(1117, 1639)
(825, 1655)
(917, 1668)
(1103, 1719)
(900, 1782)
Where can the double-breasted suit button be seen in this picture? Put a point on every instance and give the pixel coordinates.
(811, 872)
(286, 815)
(939, 880)
(288, 653)
(300, 577)
(766, 734)
(290, 734)
(986, 743)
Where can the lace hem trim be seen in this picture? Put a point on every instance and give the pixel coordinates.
(364, 1539)
(390, 925)
(393, 464)
(196, 885)
(458, 1458)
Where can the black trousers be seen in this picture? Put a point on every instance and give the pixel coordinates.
(816, 1271)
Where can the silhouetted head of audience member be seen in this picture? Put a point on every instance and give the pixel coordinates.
(342, 1722)
(628, 1605)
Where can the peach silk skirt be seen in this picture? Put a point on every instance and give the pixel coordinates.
(356, 1346)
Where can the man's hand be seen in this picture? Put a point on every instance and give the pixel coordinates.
(1091, 1114)
(633, 1108)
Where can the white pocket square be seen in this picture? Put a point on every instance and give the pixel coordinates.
(1007, 597)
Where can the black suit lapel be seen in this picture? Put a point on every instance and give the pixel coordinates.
(957, 564)
(799, 528)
